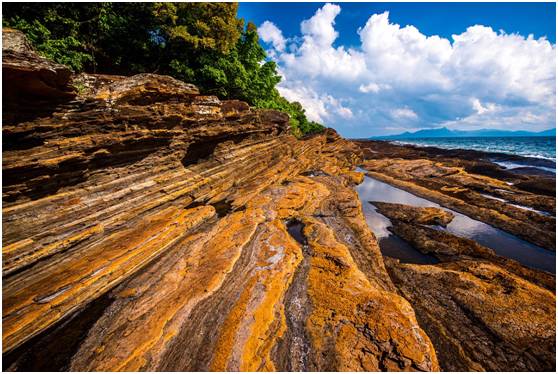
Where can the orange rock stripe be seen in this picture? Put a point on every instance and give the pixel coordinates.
(136, 337)
(33, 302)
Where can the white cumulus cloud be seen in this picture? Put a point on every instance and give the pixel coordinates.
(315, 55)
(319, 29)
(404, 113)
(400, 78)
(319, 107)
(269, 33)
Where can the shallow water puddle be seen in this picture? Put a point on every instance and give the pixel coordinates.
(391, 245)
(294, 228)
(501, 242)
(394, 246)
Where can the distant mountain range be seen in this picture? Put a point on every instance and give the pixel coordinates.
(444, 132)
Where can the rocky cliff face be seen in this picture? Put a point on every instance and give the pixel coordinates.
(148, 227)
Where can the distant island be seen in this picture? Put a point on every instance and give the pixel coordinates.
(444, 132)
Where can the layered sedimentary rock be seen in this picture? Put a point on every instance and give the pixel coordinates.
(480, 316)
(148, 227)
(414, 215)
(420, 227)
(483, 312)
(478, 189)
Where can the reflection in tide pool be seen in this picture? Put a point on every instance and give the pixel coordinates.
(500, 241)
(391, 245)
(394, 246)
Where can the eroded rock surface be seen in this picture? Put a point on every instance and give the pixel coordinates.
(479, 316)
(150, 227)
(146, 228)
(482, 311)
(414, 225)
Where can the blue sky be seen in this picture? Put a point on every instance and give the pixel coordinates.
(383, 68)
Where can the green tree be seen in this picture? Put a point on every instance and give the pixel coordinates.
(202, 43)
(107, 37)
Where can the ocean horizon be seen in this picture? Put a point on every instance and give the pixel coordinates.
(541, 147)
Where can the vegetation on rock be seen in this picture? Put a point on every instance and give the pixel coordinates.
(202, 43)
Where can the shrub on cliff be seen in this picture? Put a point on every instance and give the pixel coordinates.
(202, 43)
(299, 122)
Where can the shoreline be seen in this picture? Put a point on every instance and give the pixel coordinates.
(462, 281)
(522, 204)
(463, 224)
(500, 158)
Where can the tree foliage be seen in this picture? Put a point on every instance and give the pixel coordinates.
(202, 43)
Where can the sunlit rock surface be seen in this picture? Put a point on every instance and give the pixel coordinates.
(148, 227)
(416, 215)
(481, 317)
(482, 311)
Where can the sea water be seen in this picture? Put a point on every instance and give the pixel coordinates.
(542, 147)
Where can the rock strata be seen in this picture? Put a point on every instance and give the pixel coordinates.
(414, 225)
(148, 227)
(412, 214)
(479, 316)
(483, 312)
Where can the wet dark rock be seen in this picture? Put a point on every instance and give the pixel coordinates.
(412, 214)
